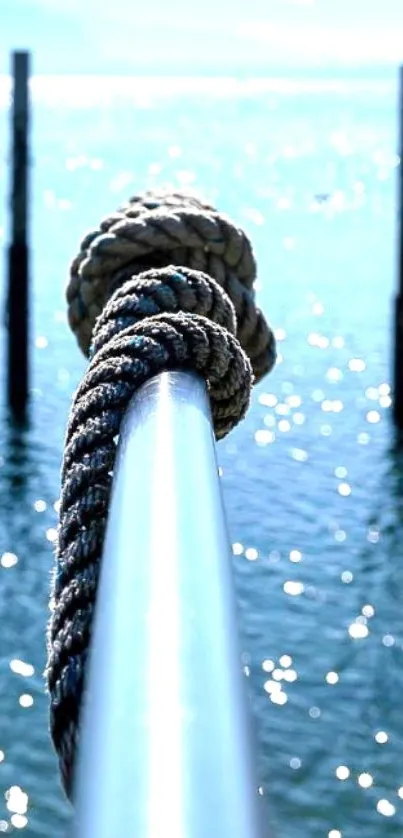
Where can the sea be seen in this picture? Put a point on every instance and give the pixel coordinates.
(312, 478)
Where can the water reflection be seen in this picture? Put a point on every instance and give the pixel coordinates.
(16, 460)
(348, 526)
(315, 504)
(26, 516)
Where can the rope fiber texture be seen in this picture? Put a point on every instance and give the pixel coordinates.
(165, 284)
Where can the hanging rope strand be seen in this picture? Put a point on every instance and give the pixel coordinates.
(133, 322)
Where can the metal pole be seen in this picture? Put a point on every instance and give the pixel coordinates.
(17, 305)
(165, 734)
(398, 347)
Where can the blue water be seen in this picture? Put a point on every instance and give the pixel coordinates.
(313, 487)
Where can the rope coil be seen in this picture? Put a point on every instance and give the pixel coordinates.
(166, 283)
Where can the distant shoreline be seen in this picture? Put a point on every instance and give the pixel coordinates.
(86, 89)
(356, 72)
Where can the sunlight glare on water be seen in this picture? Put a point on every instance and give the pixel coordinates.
(311, 479)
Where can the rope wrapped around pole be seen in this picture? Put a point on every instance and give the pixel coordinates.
(165, 284)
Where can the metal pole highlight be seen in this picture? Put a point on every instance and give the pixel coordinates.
(166, 745)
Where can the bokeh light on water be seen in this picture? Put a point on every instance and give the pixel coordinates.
(313, 486)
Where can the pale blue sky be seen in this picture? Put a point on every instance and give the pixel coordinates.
(92, 36)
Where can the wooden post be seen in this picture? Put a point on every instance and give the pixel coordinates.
(17, 304)
(398, 358)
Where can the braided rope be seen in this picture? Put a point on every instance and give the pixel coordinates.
(146, 321)
(159, 230)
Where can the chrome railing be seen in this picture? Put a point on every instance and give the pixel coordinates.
(166, 749)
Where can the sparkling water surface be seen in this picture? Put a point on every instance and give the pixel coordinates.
(313, 484)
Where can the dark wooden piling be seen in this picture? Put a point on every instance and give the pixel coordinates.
(18, 255)
(398, 343)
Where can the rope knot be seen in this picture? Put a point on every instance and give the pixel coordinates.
(156, 230)
(165, 283)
